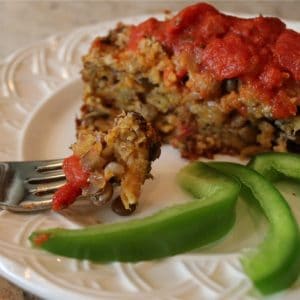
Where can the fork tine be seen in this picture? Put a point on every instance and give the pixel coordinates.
(54, 165)
(36, 205)
(45, 189)
(36, 198)
(28, 206)
(57, 176)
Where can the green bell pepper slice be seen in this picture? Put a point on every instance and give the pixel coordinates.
(275, 264)
(276, 166)
(173, 230)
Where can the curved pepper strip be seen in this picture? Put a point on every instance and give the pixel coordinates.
(276, 166)
(173, 230)
(275, 264)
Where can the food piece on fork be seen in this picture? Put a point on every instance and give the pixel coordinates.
(121, 156)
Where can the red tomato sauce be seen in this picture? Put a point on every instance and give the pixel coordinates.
(259, 51)
(77, 178)
(41, 238)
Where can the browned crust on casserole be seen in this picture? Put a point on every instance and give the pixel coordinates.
(196, 113)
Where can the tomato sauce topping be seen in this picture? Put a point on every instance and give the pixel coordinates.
(41, 238)
(77, 178)
(259, 51)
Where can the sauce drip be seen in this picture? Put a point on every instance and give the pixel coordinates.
(77, 178)
(259, 51)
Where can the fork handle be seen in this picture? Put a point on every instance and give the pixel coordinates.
(4, 170)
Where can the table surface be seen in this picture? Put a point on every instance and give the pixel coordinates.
(24, 22)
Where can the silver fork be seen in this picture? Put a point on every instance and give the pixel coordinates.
(28, 186)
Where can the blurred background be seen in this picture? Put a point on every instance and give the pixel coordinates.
(24, 22)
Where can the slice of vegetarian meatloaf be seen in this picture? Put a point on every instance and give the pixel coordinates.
(121, 156)
(208, 82)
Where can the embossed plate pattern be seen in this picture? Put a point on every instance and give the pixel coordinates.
(39, 97)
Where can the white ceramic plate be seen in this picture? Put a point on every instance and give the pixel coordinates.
(40, 93)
